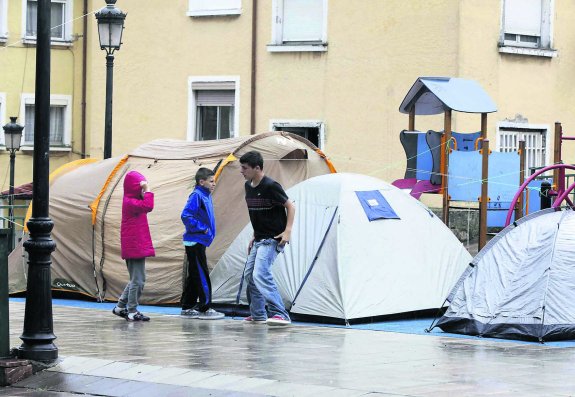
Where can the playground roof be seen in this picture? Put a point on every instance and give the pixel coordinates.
(434, 95)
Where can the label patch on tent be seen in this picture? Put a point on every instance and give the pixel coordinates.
(375, 205)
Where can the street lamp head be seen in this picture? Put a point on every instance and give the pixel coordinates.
(13, 135)
(110, 27)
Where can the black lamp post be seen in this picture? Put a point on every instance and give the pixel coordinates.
(110, 27)
(13, 135)
(12, 138)
(38, 337)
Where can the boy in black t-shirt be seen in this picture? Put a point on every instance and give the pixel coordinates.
(267, 205)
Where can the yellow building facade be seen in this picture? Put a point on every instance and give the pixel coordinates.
(17, 89)
(334, 71)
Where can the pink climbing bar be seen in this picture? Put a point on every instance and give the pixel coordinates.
(564, 196)
(561, 193)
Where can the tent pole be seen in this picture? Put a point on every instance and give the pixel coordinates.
(238, 296)
(94, 264)
(445, 140)
(542, 324)
(103, 228)
(433, 325)
(316, 256)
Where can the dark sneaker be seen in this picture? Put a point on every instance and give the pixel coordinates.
(211, 314)
(278, 320)
(137, 316)
(120, 312)
(190, 313)
(251, 320)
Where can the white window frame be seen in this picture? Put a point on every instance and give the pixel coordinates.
(55, 100)
(278, 44)
(68, 24)
(192, 107)
(273, 124)
(545, 46)
(526, 126)
(198, 8)
(2, 115)
(3, 21)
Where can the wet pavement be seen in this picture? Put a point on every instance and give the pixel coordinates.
(102, 354)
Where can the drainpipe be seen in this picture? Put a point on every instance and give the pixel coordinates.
(84, 74)
(253, 82)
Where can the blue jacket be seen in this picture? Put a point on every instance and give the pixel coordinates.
(198, 217)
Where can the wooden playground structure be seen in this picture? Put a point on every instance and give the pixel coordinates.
(436, 95)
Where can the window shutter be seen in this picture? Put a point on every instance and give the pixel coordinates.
(29, 124)
(535, 151)
(213, 85)
(303, 20)
(57, 20)
(523, 17)
(31, 17)
(57, 125)
(213, 5)
(215, 97)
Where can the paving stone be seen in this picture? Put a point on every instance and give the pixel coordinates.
(69, 382)
(40, 379)
(163, 373)
(189, 378)
(232, 357)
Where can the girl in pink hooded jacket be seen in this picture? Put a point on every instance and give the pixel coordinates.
(136, 243)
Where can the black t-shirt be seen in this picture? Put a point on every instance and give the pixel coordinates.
(266, 208)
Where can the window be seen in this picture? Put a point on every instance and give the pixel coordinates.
(527, 23)
(213, 108)
(60, 120)
(197, 8)
(3, 20)
(311, 130)
(535, 137)
(214, 114)
(61, 17)
(299, 25)
(2, 115)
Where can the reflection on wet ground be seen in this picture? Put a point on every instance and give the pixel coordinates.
(338, 361)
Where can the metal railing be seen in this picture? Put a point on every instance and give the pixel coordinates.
(569, 178)
(18, 220)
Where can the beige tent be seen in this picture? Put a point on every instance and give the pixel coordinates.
(86, 197)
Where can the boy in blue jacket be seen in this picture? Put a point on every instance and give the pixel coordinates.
(198, 218)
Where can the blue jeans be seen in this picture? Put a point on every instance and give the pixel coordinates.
(261, 287)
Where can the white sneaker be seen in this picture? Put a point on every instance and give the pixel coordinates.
(278, 320)
(190, 313)
(211, 314)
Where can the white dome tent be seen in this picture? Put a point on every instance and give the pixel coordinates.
(343, 266)
(521, 285)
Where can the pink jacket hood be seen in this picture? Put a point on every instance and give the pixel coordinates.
(132, 184)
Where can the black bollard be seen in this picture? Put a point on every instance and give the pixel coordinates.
(544, 194)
